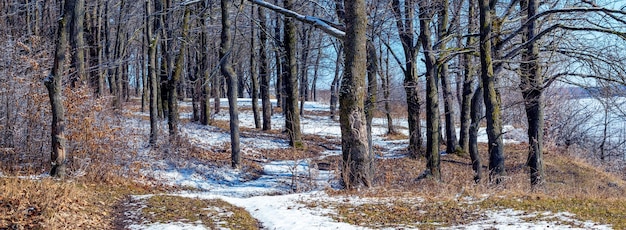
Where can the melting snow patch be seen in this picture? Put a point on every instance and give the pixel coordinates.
(168, 226)
(514, 219)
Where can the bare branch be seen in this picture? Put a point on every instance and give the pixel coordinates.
(329, 28)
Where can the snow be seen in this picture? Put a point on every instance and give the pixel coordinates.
(514, 219)
(277, 199)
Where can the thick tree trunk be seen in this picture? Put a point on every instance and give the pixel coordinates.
(532, 91)
(55, 90)
(264, 72)
(357, 157)
(231, 81)
(290, 81)
(491, 95)
(432, 96)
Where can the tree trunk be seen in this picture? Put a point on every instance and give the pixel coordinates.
(357, 157)
(432, 96)
(468, 80)
(335, 84)
(254, 91)
(442, 71)
(476, 114)
(386, 93)
(264, 72)
(404, 23)
(78, 41)
(316, 73)
(55, 91)
(231, 81)
(491, 95)
(532, 91)
(372, 91)
(278, 53)
(152, 73)
(290, 81)
(172, 101)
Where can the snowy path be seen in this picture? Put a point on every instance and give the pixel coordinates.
(273, 198)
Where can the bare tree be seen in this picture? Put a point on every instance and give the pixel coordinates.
(491, 95)
(231, 79)
(54, 83)
(290, 82)
(410, 45)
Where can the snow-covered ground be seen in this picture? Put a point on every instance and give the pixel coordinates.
(271, 198)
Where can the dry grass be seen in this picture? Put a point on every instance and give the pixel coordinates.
(572, 185)
(212, 213)
(50, 204)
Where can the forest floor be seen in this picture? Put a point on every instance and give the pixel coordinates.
(187, 183)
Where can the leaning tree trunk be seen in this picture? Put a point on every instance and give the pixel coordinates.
(357, 157)
(54, 85)
(290, 81)
(266, 104)
(231, 81)
(491, 96)
(532, 91)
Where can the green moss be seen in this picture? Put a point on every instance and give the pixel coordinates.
(212, 213)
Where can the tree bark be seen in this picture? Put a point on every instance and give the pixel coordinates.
(491, 95)
(468, 80)
(532, 91)
(205, 88)
(357, 157)
(334, 86)
(432, 96)
(404, 23)
(254, 76)
(172, 100)
(55, 91)
(443, 74)
(290, 81)
(264, 72)
(78, 41)
(372, 90)
(475, 114)
(231, 81)
(152, 73)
